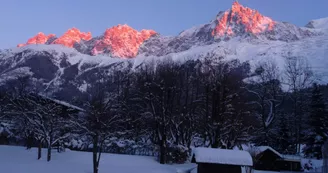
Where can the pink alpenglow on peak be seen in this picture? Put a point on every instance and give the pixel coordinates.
(73, 36)
(122, 40)
(240, 18)
(69, 38)
(40, 38)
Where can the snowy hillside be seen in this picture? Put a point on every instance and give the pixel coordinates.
(54, 66)
(57, 66)
(313, 49)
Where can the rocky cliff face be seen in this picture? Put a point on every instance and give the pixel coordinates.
(119, 41)
(71, 37)
(39, 38)
(240, 20)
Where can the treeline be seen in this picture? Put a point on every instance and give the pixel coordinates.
(167, 107)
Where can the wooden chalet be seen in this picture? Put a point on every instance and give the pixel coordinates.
(271, 160)
(210, 160)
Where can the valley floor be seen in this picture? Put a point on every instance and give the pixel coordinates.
(19, 160)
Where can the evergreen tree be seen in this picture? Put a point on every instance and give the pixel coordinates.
(317, 133)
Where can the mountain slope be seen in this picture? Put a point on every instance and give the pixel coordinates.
(68, 64)
(56, 68)
(62, 69)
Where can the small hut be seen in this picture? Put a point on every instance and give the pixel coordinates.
(266, 159)
(271, 160)
(211, 160)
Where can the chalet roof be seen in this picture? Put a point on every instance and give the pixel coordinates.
(261, 149)
(222, 156)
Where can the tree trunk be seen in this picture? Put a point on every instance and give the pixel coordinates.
(162, 159)
(162, 154)
(39, 150)
(29, 142)
(216, 142)
(49, 153)
(94, 154)
(49, 150)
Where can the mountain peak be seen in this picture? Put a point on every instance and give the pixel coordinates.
(122, 41)
(39, 38)
(318, 23)
(73, 36)
(69, 38)
(239, 20)
(236, 4)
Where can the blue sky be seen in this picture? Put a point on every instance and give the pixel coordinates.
(21, 19)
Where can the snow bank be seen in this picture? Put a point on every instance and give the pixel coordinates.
(221, 156)
(312, 164)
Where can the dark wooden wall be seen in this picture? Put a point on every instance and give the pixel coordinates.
(217, 168)
(289, 165)
(267, 161)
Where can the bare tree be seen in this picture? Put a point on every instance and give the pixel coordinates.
(265, 87)
(223, 120)
(101, 118)
(44, 118)
(159, 91)
(187, 104)
(298, 77)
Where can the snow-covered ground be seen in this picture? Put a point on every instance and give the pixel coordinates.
(19, 160)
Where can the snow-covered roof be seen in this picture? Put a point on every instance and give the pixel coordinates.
(292, 158)
(222, 156)
(284, 157)
(264, 148)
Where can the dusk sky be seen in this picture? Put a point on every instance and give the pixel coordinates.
(22, 19)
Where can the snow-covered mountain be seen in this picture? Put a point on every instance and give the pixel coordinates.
(318, 24)
(125, 42)
(69, 61)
